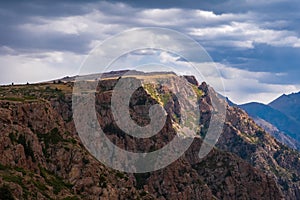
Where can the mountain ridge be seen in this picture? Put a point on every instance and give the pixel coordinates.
(282, 114)
(43, 155)
(288, 104)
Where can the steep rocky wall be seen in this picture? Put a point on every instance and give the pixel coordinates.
(42, 156)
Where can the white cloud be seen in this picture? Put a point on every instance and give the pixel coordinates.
(167, 57)
(37, 67)
(244, 34)
(104, 19)
(240, 30)
(67, 25)
(7, 50)
(244, 86)
(241, 86)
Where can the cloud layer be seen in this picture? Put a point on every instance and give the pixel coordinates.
(255, 44)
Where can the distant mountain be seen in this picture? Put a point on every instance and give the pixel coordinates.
(278, 119)
(281, 118)
(289, 105)
(279, 135)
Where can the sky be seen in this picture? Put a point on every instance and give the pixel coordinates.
(254, 44)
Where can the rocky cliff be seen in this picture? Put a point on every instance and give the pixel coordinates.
(42, 156)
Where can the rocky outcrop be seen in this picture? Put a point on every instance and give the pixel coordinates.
(246, 139)
(43, 158)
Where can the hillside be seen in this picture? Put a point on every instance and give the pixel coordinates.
(283, 122)
(43, 157)
(279, 135)
(289, 105)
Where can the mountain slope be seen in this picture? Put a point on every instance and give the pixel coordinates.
(275, 117)
(243, 137)
(289, 105)
(279, 135)
(43, 158)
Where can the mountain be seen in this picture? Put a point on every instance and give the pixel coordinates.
(279, 135)
(280, 118)
(281, 121)
(230, 103)
(44, 158)
(289, 105)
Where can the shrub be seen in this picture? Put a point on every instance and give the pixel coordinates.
(27, 147)
(5, 193)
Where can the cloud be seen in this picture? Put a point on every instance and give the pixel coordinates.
(246, 34)
(100, 20)
(37, 67)
(255, 44)
(244, 86)
(240, 85)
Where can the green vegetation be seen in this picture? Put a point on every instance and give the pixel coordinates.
(35, 92)
(50, 138)
(71, 140)
(198, 92)
(5, 193)
(141, 179)
(19, 169)
(120, 175)
(2, 167)
(7, 168)
(54, 137)
(176, 118)
(13, 179)
(51, 179)
(19, 99)
(150, 88)
(162, 98)
(55, 181)
(102, 181)
(12, 137)
(165, 98)
(39, 185)
(58, 184)
(8, 175)
(13, 99)
(85, 161)
(143, 193)
(250, 138)
(71, 198)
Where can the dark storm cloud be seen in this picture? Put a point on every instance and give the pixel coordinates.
(264, 58)
(278, 7)
(252, 36)
(47, 42)
(43, 8)
(174, 3)
(13, 14)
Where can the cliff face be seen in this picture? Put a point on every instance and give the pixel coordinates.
(244, 138)
(43, 158)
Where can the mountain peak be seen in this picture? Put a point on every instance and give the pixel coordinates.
(43, 154)
(289, 105)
